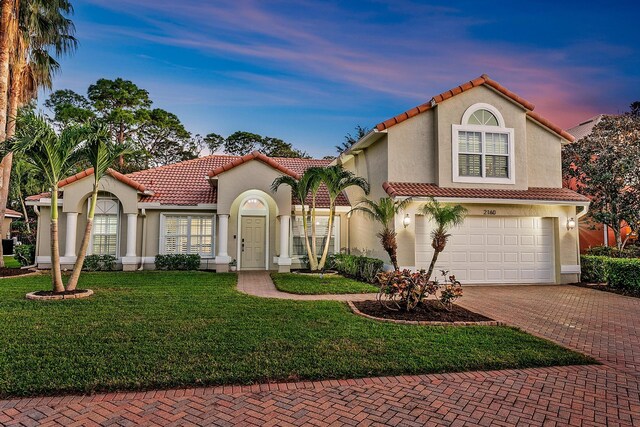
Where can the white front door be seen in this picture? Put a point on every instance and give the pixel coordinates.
(493, 250)
(252, 249)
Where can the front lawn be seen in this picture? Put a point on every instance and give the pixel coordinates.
(11, 262)
(316, 285)
(172, 329)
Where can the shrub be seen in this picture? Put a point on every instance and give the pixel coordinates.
(25, 254)
(360, 268)
(627, 252)
(594, 268)
(404, 290)
(99, 263)
(623, 273)
(177, 262)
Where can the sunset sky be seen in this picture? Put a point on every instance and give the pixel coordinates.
(309, 71)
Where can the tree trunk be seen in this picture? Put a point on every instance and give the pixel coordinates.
(56, 273)
(120, 140)
(25, 213)
(72, 284)
(434, 259)
(325, 251)
(313, 262)
(314, 248)
(388, 239)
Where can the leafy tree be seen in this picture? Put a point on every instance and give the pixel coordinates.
(635, 108)
(25, 180)
(213, 142)
(445, 217)
(122, 105)
(337, 180)
(351, 139)
(384, 212)
(240, 143)
(54, 156)
(101, 153)
(604, 167)
(275, 147)
(69, 107)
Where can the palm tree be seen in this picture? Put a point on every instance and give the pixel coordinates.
(337, 179)
(384, 212)
(31, 28)
(445, 217)
(54, 157)
(101, 154)
(301, 188)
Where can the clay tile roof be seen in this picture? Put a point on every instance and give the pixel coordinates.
(414, 189)
(115, 174)
(186, 183)
(482, 80)
(12, 214)
(256, 155)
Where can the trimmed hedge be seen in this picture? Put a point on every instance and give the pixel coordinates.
(25, 254)
(177, 262)
(594, 268)
(610, 251)
(99, 263)
(358, 267)
(619, 273)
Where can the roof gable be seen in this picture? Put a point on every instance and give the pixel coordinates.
(482, 80)
(256, 155)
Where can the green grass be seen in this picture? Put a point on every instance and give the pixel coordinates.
(171, 329)
(11, 262)
(315, 285)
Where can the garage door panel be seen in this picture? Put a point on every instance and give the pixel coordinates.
(494, 250)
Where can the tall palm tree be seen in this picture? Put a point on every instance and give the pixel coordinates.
(32, 28)
(445, 217)
(301, 188)
(101, 153)
(384, 211)
(337, 179)
(54, 156)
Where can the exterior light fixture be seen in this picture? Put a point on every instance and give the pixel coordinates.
(571, 223)
(406, 221)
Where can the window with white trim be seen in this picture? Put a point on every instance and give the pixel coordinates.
(483, 148)
(298, 247)
(188, 234)
(104, 234)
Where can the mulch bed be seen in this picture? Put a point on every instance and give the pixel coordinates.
(606, 288)
(10, 272)
(65, 293)
(430, 311)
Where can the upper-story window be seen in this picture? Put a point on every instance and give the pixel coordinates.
(483, 147)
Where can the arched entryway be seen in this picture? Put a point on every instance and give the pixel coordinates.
(253, 233)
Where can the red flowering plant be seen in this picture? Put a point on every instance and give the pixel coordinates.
(405, 290)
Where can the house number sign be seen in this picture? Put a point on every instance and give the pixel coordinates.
(490, 212)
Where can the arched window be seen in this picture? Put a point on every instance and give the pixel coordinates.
(104, 239)
(483, 147)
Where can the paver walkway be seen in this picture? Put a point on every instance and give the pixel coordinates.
(259, 284)
(603, 325)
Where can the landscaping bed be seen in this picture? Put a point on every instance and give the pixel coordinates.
(313, 284)
(11, 272)
(606, 288)
(428, 311)
(149, 330)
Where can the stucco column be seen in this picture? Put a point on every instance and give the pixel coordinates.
(284, 262)
(132, 233)
(222, 258)
(70, 237)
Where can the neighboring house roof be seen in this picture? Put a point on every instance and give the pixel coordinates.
(187, 183)
(482, 80)
(10, 213)
(415, 189)
(585, 128)
(115, 174)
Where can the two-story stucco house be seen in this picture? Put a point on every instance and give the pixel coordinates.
(479, 145)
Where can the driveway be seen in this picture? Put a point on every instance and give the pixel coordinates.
(603, 325)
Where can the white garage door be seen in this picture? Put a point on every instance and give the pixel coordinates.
(493, 250)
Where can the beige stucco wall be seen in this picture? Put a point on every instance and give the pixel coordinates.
(545, 161)
(412, 149)
(75, 194)
(451, 111)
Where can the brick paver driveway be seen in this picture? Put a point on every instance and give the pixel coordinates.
(601, 324)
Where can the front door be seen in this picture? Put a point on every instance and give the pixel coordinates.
(252, 250)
